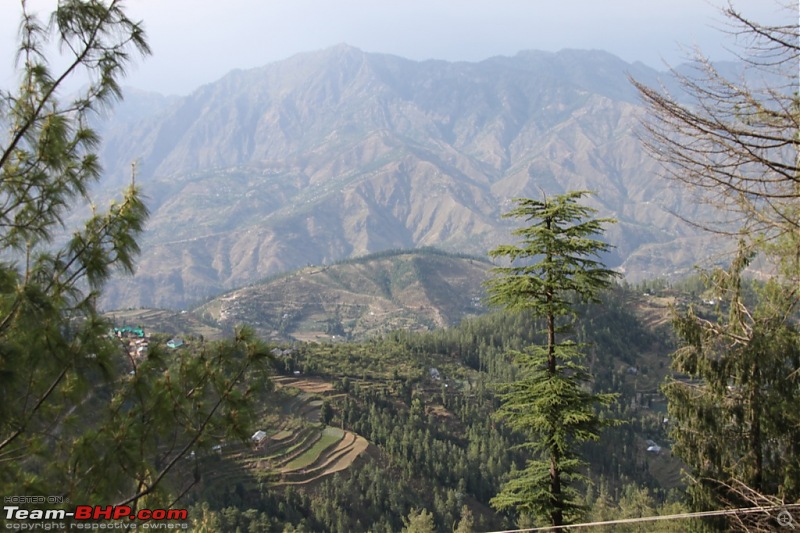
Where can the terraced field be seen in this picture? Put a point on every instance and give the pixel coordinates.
(299, 450)
(325, 459)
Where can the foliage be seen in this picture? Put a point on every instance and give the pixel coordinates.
(737, 142)
(419, 521)
(548, 400)
(434, 444)
(735, 411)
(78, 415)
(467, 522)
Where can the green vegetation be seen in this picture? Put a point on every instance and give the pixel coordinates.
(734, 402)
(82, 413)
(555, 263)
(736, 416)
(433, 442)
(330, 436)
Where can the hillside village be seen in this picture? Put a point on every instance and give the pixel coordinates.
(136, 341)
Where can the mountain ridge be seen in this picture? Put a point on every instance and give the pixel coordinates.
(342, 153)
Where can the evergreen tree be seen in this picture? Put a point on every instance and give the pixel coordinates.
(79, 416)
(419, 521)
(557, 263)
(736, 141)
(467, 522)
(735, 419)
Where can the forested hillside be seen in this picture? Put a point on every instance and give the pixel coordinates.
(426, 403)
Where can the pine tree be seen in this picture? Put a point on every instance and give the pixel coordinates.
(735, 420)
(467, 522)
(736, 141)
(558, 264)
(419, 521)
(78, 417)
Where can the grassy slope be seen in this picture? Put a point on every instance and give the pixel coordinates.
(356, 299)
(415, 290)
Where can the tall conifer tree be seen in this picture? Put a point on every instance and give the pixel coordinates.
(79, 417)
(555, 264)
(736, 141)
(735, 421)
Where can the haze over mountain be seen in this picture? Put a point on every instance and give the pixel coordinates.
(342, 153)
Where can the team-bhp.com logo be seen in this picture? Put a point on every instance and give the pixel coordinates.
(93, 517)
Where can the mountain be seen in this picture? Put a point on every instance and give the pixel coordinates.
(341, 153)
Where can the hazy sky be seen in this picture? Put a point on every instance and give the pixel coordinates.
(197, 41)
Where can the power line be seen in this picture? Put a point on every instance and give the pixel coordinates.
(682, 516)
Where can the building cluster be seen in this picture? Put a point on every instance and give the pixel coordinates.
(137, 342)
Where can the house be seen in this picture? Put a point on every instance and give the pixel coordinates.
(434, 373)
(258, 436)
(175, 343)
(652, 447)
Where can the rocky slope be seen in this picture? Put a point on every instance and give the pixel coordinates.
(342, 153)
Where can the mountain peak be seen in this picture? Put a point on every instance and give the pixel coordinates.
(330, 52)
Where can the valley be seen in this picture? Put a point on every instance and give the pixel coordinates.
(414, 401)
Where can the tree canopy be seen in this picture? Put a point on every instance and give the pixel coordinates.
(559, 263)
(737, 141)
(79, 416)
